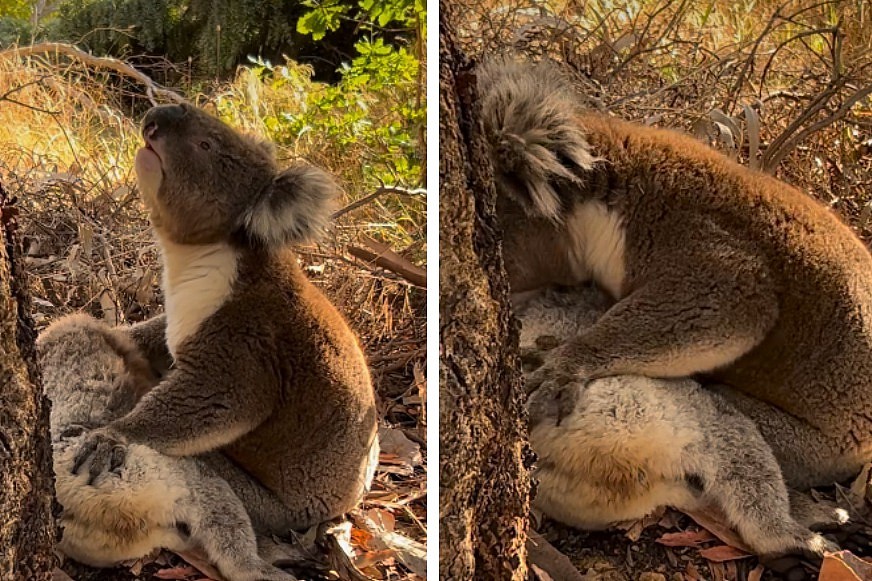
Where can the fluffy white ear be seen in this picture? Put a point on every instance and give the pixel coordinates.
(296, 207)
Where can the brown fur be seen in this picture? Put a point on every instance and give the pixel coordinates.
(265, 369)
(717, 270)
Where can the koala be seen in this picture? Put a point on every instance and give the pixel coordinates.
(93, 374)
(616, 448)
(262, 367)
(717, 271)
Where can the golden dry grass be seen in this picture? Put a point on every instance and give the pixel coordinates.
(802, 68)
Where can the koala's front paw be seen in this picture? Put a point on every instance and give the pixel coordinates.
(553, 372)
(553, 402)
(107, 452)
(73, 431)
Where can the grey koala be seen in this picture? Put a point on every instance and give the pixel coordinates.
(616, 448)
(263, 367)
(94, 374)
(716, 270)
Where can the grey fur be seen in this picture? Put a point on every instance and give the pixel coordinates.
(615, 449)
(93, 374)
(716, 271)
(529, 115)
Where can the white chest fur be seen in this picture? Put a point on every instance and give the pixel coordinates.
(597, 245)
(197, 280)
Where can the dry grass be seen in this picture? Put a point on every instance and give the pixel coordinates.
(68, 136)
(795, 76)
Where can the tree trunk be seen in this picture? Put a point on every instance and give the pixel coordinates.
(27, 525)
(484, 455)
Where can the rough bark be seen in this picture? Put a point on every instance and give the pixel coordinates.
(27, 524)
(484, 456)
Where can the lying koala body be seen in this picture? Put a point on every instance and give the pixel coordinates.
(94, 374)
(616, 448)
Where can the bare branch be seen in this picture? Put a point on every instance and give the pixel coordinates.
(774, 156)
(152, 89)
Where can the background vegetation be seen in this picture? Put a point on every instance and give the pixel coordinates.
(339, 83)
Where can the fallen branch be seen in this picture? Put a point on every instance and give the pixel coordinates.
(152, 89)
(379, 192)
(543, 555)
(381, 255)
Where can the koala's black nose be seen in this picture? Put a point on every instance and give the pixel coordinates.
(161, 118)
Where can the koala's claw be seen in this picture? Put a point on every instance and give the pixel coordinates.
(550, 373)
(73, 430)
(106, 451)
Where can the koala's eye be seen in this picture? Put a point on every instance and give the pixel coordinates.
(205, 145)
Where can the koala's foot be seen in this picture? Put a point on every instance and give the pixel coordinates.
(256, 570)
(554, 401)
(106, 451)
(817, 515)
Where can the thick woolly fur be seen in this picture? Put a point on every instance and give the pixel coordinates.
(614, 449)
(263, 368)
(94, 374)
(717, 271)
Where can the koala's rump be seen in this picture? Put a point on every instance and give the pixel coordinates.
(123, 515)
(621, 454)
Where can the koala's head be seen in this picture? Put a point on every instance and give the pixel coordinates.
(203, 182)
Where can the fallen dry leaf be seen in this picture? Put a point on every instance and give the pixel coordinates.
(635, 528)
(845, 566)
(381, 520)
(177, 573)
(200, 562)
(719, 572)
(540, 574)
(409, 552)
(860, 492)
(756, 573)
(714, 521)
(368, 559)
(692, 573)
(399, 450)
(723, 553)
(686, 538)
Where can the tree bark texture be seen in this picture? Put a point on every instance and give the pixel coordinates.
(484, 456)
(27, 525)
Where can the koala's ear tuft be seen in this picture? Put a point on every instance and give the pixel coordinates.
(295, 208)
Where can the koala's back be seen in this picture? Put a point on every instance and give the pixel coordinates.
(820, 271)
(324, 421)
(93, 374)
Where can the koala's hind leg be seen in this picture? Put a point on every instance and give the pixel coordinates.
(807, 456)
(267, 512)
(220, 524)
(748, 486)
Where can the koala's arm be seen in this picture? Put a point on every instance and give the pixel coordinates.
(150, 338)
(686, 320)
(210, 399)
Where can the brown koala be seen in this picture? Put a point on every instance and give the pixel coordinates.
(717, 270)
(264, 368)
